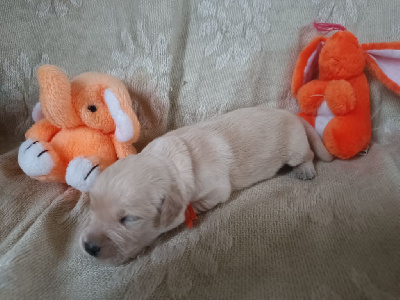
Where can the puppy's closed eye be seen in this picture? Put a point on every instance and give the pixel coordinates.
(129, 219)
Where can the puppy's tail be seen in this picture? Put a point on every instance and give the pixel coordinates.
(316, 143)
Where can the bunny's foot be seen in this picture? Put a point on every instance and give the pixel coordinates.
(346, 136)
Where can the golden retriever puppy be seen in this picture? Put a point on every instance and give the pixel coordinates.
(139, 197)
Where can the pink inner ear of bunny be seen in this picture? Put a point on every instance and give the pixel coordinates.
(311, 71)
(388, 60)
(307, 65)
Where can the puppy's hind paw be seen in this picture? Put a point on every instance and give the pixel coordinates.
(305, 171)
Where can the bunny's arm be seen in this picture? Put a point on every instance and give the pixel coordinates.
(123, 149)
(340, 97)
(42, 131)
(310, 96)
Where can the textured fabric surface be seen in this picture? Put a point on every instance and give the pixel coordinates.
(336, 237)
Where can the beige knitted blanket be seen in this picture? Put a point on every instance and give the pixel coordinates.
(336, 237)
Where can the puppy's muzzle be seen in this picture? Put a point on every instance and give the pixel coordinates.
(92, 249)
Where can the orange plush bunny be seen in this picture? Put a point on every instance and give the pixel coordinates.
(332, 90)
(82, 126)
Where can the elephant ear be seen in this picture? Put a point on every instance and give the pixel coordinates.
(37, 113)
(127, 127)
(55, 97)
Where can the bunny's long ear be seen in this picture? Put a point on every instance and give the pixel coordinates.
(307, 64)
(383, 60)
(127, 128)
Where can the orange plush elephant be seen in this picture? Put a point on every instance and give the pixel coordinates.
(82, 126)
(332, 90)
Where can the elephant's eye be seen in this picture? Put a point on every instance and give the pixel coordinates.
(92, 108)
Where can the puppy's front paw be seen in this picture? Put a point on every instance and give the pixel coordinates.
(305, 171)
(81, 173)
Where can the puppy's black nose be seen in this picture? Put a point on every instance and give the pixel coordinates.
(92, 249)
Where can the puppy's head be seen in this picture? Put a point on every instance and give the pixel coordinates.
(131, 203)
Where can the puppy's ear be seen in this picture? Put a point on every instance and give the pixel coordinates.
(171, 207)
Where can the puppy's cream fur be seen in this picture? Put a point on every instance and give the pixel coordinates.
(199, 164)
